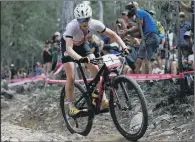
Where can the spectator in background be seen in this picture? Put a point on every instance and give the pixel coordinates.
(188, 39)
(156, 69)
(121, 23)
(55, 50)
(56, 37)
(150, 31)
(173, 58)
(13, 72)
(190, 8)
(3, 73)
(21, 73)
(105, 39)
(184, 26)
(95, 44)
(47, 58)
(189, 60)
(31, 72)
(135, 4)
(161, 33)
(38, 69)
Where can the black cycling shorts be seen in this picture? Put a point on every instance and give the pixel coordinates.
(83, 50)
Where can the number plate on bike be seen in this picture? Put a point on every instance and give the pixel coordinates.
(110, 60)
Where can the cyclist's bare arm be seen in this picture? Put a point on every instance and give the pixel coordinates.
(69, 49)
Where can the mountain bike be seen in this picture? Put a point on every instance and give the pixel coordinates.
(127, 104)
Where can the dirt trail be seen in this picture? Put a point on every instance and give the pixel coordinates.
(36, 116)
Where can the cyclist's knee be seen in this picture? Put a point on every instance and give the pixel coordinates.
(70, 73)
(70, 77)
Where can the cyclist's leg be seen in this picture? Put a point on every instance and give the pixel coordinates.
(93, 68)
(69, 70)
(84, 50)
(69, 87)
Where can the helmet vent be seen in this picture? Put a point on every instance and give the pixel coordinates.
(82, 13)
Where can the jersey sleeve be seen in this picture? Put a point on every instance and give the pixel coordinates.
(99, 26)
(69, 32)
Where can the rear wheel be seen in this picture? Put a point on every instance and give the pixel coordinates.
(81, 124)
(128, 108)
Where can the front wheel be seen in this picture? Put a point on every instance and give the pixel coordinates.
(81, 124)
(128, 108)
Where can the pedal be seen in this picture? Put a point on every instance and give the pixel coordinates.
(83, 113)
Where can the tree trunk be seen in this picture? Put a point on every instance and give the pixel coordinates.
(27, 63)
(67, 13)
(115, 9)
(2, 63)
(101, 12)
(32, 62)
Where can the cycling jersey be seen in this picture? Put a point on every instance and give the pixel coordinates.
(79, 36)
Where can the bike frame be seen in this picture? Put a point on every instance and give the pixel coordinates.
(91, 86)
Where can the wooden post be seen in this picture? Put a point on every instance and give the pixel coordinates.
(182, 87)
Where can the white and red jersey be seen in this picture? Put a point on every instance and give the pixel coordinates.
(79, 36)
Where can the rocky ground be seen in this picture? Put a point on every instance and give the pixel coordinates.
(32, 113)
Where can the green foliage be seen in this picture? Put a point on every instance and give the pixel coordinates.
(25, 25)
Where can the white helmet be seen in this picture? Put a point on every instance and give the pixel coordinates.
(57, 34)
(82, 11)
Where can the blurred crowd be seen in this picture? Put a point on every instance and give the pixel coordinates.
(164, 61)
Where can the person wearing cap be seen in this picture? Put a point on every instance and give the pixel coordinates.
(38, 69)
(56, 37)
(184, 26)
(134, 3)
(161, 33)
(161, 29)
(47, 58)
(55, 51)
(188, 59)
(12, 72)
(150, 32)
(188, 38)
(125, 24)
(191, 48)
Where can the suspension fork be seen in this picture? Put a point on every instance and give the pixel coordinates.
(123, 89)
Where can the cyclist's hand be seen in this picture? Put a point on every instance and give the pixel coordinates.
(127, 51)
(84, 60)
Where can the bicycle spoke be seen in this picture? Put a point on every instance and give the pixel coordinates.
(129, 116)
(82, 122)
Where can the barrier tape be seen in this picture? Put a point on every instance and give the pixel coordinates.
(188, 72)
(142, 77)
(137, 77)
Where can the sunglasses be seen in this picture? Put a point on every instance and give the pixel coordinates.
(182, 16)
(84, 20)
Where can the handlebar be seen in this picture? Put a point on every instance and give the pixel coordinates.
(122, 53)
(95, 61)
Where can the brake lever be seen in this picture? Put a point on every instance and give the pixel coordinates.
(93, 61)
